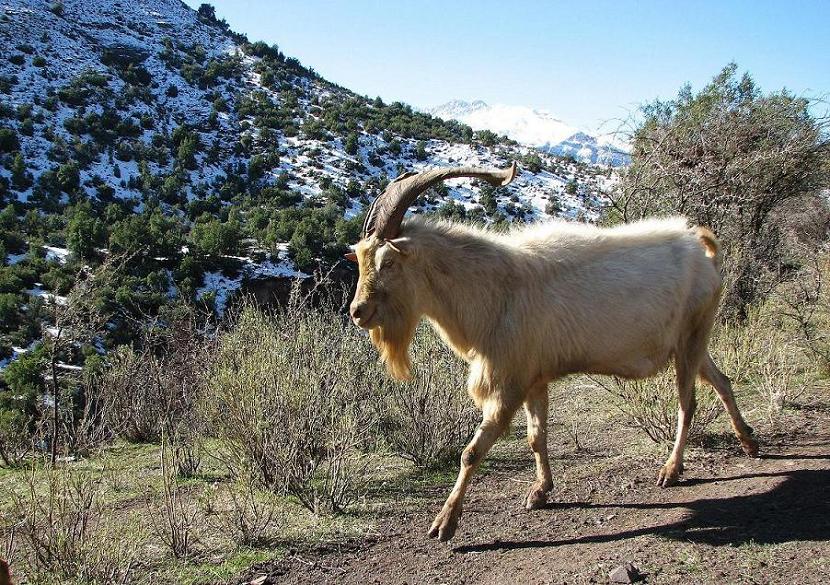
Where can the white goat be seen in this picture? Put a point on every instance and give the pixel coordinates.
(541, 302)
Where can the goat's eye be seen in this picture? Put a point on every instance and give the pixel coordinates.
(388, 263)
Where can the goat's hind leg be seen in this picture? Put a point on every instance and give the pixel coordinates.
(710, 373)
(496, 419)
(536, 409)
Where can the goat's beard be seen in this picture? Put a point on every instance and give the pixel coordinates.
(392, 339)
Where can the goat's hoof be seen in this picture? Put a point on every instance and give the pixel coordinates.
(536, 498)
(750, 447)
(669, 475)
(445, 524)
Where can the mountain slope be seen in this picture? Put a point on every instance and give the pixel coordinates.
(536, 128)
(146, 129)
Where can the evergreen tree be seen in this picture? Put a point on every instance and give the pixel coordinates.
(20, 178)
(84, 233)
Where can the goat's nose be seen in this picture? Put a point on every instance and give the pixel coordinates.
(357, 309)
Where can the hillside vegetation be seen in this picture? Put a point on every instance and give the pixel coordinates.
(150, 130)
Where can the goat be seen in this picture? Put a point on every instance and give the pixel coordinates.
(538, 303)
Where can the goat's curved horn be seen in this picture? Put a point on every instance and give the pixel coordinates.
(386, 212)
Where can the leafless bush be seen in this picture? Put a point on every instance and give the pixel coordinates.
(651, 405)
(187, 454)
(757, 355)
(778, 382)
(805, 301)
(174, 520)
(245, 513)
(429, 419)
(289, 399)
(153, 390)
(7, 547)
(67, 533)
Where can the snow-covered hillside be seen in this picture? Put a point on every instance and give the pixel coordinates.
(146, 105)
(536, 128)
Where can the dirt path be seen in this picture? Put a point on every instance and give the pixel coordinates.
(732, 520)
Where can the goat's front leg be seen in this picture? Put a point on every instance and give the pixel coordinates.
(491, 428)
(536, 409)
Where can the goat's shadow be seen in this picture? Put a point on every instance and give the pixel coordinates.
(797, 509)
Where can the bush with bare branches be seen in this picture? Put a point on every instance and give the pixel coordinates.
(68, 533)
(245, 513)
(760, 358)
(429, 419)
(152, 389)
(174, 519)
(289, 400)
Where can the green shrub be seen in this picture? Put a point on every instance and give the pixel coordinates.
(8, 140)
(214, 238)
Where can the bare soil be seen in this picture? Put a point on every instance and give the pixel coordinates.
(730, 520)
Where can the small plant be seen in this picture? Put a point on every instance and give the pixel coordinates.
(245, 513)
(650, 405)
(174, 521)
(187, 455)
(777, 380)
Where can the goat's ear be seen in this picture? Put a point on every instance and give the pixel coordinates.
(350, 256)
(402, 246)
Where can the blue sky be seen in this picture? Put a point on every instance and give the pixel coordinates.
(589, 62)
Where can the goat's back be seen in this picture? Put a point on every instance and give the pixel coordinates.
(609, 300)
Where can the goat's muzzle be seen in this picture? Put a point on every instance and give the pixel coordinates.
(363, 312)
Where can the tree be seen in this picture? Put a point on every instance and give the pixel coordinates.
(214, 238)
(532, 162)
(488, 199)
(352, 144)
(8, 141)
(571, 187)
(69, 177)
(487, 137)
(19, 406)
(207, 12)
(20, 178)
(84, 232)
(733, 159)
(421, 150)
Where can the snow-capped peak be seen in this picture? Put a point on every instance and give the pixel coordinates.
(520, 123)
(533, 127)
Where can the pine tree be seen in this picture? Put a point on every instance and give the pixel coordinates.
(20, 178)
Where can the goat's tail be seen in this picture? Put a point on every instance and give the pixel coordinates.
(711, 245)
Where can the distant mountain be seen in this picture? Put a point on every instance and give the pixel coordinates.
(536, 128)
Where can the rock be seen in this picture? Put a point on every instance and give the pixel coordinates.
(626, 573)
